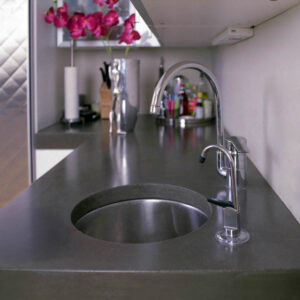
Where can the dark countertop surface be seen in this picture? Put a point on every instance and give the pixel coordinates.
(38, 240)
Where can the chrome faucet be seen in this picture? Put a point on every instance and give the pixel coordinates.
(156, 105)
(232, 234)
(229, 161)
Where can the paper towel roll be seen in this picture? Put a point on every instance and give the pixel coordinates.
(71, 94)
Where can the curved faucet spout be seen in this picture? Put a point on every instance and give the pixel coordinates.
(156, 106)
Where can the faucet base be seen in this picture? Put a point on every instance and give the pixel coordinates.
(232, 237)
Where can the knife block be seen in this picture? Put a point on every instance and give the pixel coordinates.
(105, 101)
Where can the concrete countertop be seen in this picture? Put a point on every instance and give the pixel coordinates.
(42, 255)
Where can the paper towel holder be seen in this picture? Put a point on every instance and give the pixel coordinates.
(71, 95)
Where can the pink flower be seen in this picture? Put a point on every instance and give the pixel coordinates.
(95, 24)
(99, 30)
(77, 16)
(89, 22)
(100, 2)
(129, 37)
(111, 3)
(98, 15)
(104, 30)
(61, 20)
(129, 23)
(75, 30)
(63, 9)
(50, 15)
(111, 18)
(75, 25)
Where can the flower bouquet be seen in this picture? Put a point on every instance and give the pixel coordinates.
(99, 24)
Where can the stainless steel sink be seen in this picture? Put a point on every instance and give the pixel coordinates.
(141, 213)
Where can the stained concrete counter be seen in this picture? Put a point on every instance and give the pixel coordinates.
(42, 255)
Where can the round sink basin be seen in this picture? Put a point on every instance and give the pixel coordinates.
(141, 213)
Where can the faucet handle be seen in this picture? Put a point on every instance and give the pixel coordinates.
(221, 203)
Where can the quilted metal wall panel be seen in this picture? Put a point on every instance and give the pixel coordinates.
(13, 98)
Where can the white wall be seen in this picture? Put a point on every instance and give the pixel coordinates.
(260, 82)
(49, 64)
(89, 61)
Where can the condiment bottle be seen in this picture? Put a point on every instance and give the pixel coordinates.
(199, 111)
(193, 101)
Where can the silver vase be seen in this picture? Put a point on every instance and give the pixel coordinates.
(125, 74)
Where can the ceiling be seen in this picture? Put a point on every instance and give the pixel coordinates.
(194, 23)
